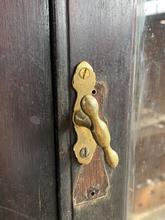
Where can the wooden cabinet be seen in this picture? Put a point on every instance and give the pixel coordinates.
(41, 43)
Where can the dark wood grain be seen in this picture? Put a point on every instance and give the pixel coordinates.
(62, 88)
(101, 32)
(92, 182)
(27, 162)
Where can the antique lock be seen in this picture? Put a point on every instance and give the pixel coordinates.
(90, 129)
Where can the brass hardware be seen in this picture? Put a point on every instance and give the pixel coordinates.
(83, 82)
(90, 129)
(99, 129)
(84, 73)
(84, 152)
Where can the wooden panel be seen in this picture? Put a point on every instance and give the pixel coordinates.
(101, 32)
(27, 166)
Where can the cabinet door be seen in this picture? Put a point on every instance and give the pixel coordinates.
(27, 162)
(100, 32)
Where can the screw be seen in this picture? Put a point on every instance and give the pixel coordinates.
(84, 73)
(84, 152)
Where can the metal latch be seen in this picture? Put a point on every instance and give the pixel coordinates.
(90, 129)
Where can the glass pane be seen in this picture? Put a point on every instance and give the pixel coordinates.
(147, 182)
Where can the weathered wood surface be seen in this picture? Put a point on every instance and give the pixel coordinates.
(27, 163)
(62, 89)
(102, 32)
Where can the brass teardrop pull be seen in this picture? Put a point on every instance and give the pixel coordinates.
(90, 129)
(99, 129)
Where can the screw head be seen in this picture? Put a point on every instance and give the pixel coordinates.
(84, 152)
(84, 73)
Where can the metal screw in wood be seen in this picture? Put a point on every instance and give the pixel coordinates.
(84, 73)
(84, 152)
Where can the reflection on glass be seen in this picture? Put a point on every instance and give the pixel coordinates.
(149, 175)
